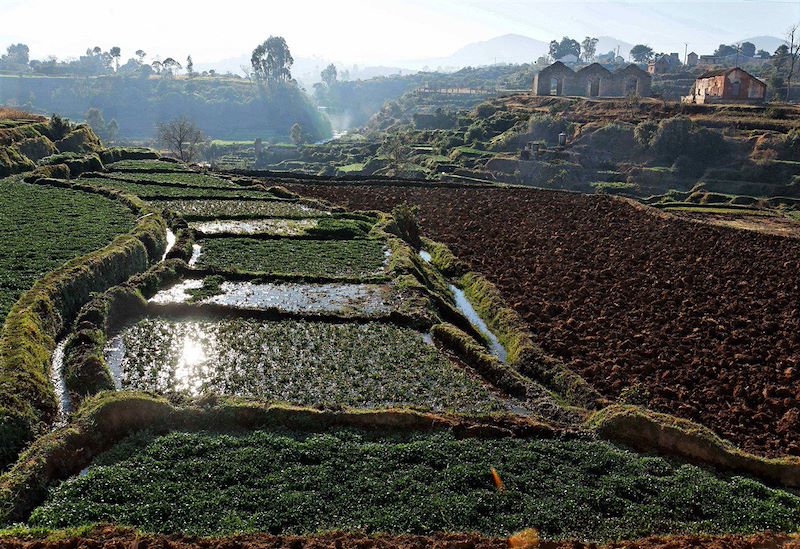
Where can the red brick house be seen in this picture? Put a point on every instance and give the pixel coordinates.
(732, 85)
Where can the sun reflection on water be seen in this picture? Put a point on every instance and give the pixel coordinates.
(189, 372)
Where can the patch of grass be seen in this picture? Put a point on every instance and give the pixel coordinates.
(612, 185)
(200, 210)
(356, 167)
(368, 365)
(146, 191)
(322, 258)
(288, 482)
(43, 227)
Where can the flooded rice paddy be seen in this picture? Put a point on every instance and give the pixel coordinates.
(300, 362)
(194, 210)
(274, 227)
(341, 299)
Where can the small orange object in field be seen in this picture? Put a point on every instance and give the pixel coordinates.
(497, 480)
(524, 540)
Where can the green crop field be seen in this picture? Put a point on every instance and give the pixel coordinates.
(43, 227)
(145, 166)
(199, 210)
(179, 178)
(147, 191)
(324, 258)
(365, 365)
(204, 483)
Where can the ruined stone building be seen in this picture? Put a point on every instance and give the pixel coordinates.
(732, 85)
(592, 81)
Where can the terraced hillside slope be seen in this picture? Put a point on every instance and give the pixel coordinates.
(689, 319)
(282, 367)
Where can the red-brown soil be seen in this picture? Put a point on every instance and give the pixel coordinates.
(706, 318)
(112, 538)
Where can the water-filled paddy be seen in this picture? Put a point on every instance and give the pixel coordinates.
(363, 365)
(321, 258)
(207, 209)
(341, 299)
(285, 482)
(275, 227)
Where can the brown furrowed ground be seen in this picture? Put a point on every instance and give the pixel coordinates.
(705, 319)
(110, 537)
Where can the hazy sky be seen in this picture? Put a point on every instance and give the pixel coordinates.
(373, 31)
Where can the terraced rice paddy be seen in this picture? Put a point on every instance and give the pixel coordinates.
(210, 209)
(340, 299)
(273, 227)
(300, 362)
(468, 457)
(283, 482)
(312, 258)
(43, 227)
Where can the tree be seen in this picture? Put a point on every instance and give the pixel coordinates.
(112, 131)
(329, 75)
(272, 61)
(16, 56)
(763, 54)
(181, 137)
(792, 38)
(567, 46)
(140, 55)
(158, 66)
(394, 148)
(170, 66)
(748, 49)
(296, 134)
(189, 66)
(642, 53)
(94, 117)
(115, 54)
(589, 48)
(724, 50)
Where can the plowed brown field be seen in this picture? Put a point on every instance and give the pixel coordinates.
(111, 538)
(706, 319)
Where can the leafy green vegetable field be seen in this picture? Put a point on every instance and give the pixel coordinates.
(146, 165)
(179, 178)
(285, 482)
(365, 365)
(146, 191)
(332, 258)
(43, 227)
(199, 210)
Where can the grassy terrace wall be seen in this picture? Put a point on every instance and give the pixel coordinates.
(27, 398)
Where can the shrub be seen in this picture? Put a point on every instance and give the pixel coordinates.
(547, 127)
(485, 110)
(672, 136)
(405, 217)
(644, 132)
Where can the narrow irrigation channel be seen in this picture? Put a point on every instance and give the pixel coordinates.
(466, 308)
